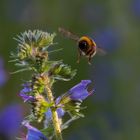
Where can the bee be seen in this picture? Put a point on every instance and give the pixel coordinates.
(86, 45)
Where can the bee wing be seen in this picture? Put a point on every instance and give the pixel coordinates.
(101, 51)
(68, 34)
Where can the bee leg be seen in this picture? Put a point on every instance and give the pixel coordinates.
(89, 60)
(79, 55)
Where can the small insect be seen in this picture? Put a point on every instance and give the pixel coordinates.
(86, 46)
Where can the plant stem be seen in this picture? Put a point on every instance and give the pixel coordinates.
(55, 119)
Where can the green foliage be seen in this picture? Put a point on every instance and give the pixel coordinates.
(36, 38)
(60, 71)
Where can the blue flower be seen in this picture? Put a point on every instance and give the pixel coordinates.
(71, 101)
(80, 92)
(33, 133)
(10, 119)
(26, 97)
(3, 75)
(27, 88)
(24, 92)
(60, 113)
(77, 93)
(48, 116)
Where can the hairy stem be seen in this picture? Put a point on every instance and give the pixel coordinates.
(55, 119)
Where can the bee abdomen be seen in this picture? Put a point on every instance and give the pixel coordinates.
(91, 51)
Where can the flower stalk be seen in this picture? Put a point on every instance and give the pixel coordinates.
(56, 124)
(55, 119)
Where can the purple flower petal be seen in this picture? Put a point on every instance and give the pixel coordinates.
(27, 88)
(34, 133)
(60, 113)
(10, 119)
(79, 92)
(24, 92)
(48, 115)
(26, 97)
(58, 100)
(3, 74)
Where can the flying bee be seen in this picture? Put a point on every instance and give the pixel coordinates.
(86, 45)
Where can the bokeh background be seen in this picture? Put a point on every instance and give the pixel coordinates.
(113, 112)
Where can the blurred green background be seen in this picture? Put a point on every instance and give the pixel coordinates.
(113, 112)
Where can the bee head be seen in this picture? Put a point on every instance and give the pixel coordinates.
(84, 43)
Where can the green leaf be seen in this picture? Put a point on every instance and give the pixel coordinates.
(67, 123)
(48, 132)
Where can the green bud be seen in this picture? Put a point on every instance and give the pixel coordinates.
(60, 71)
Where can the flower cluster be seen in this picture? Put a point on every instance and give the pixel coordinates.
(33, 54)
